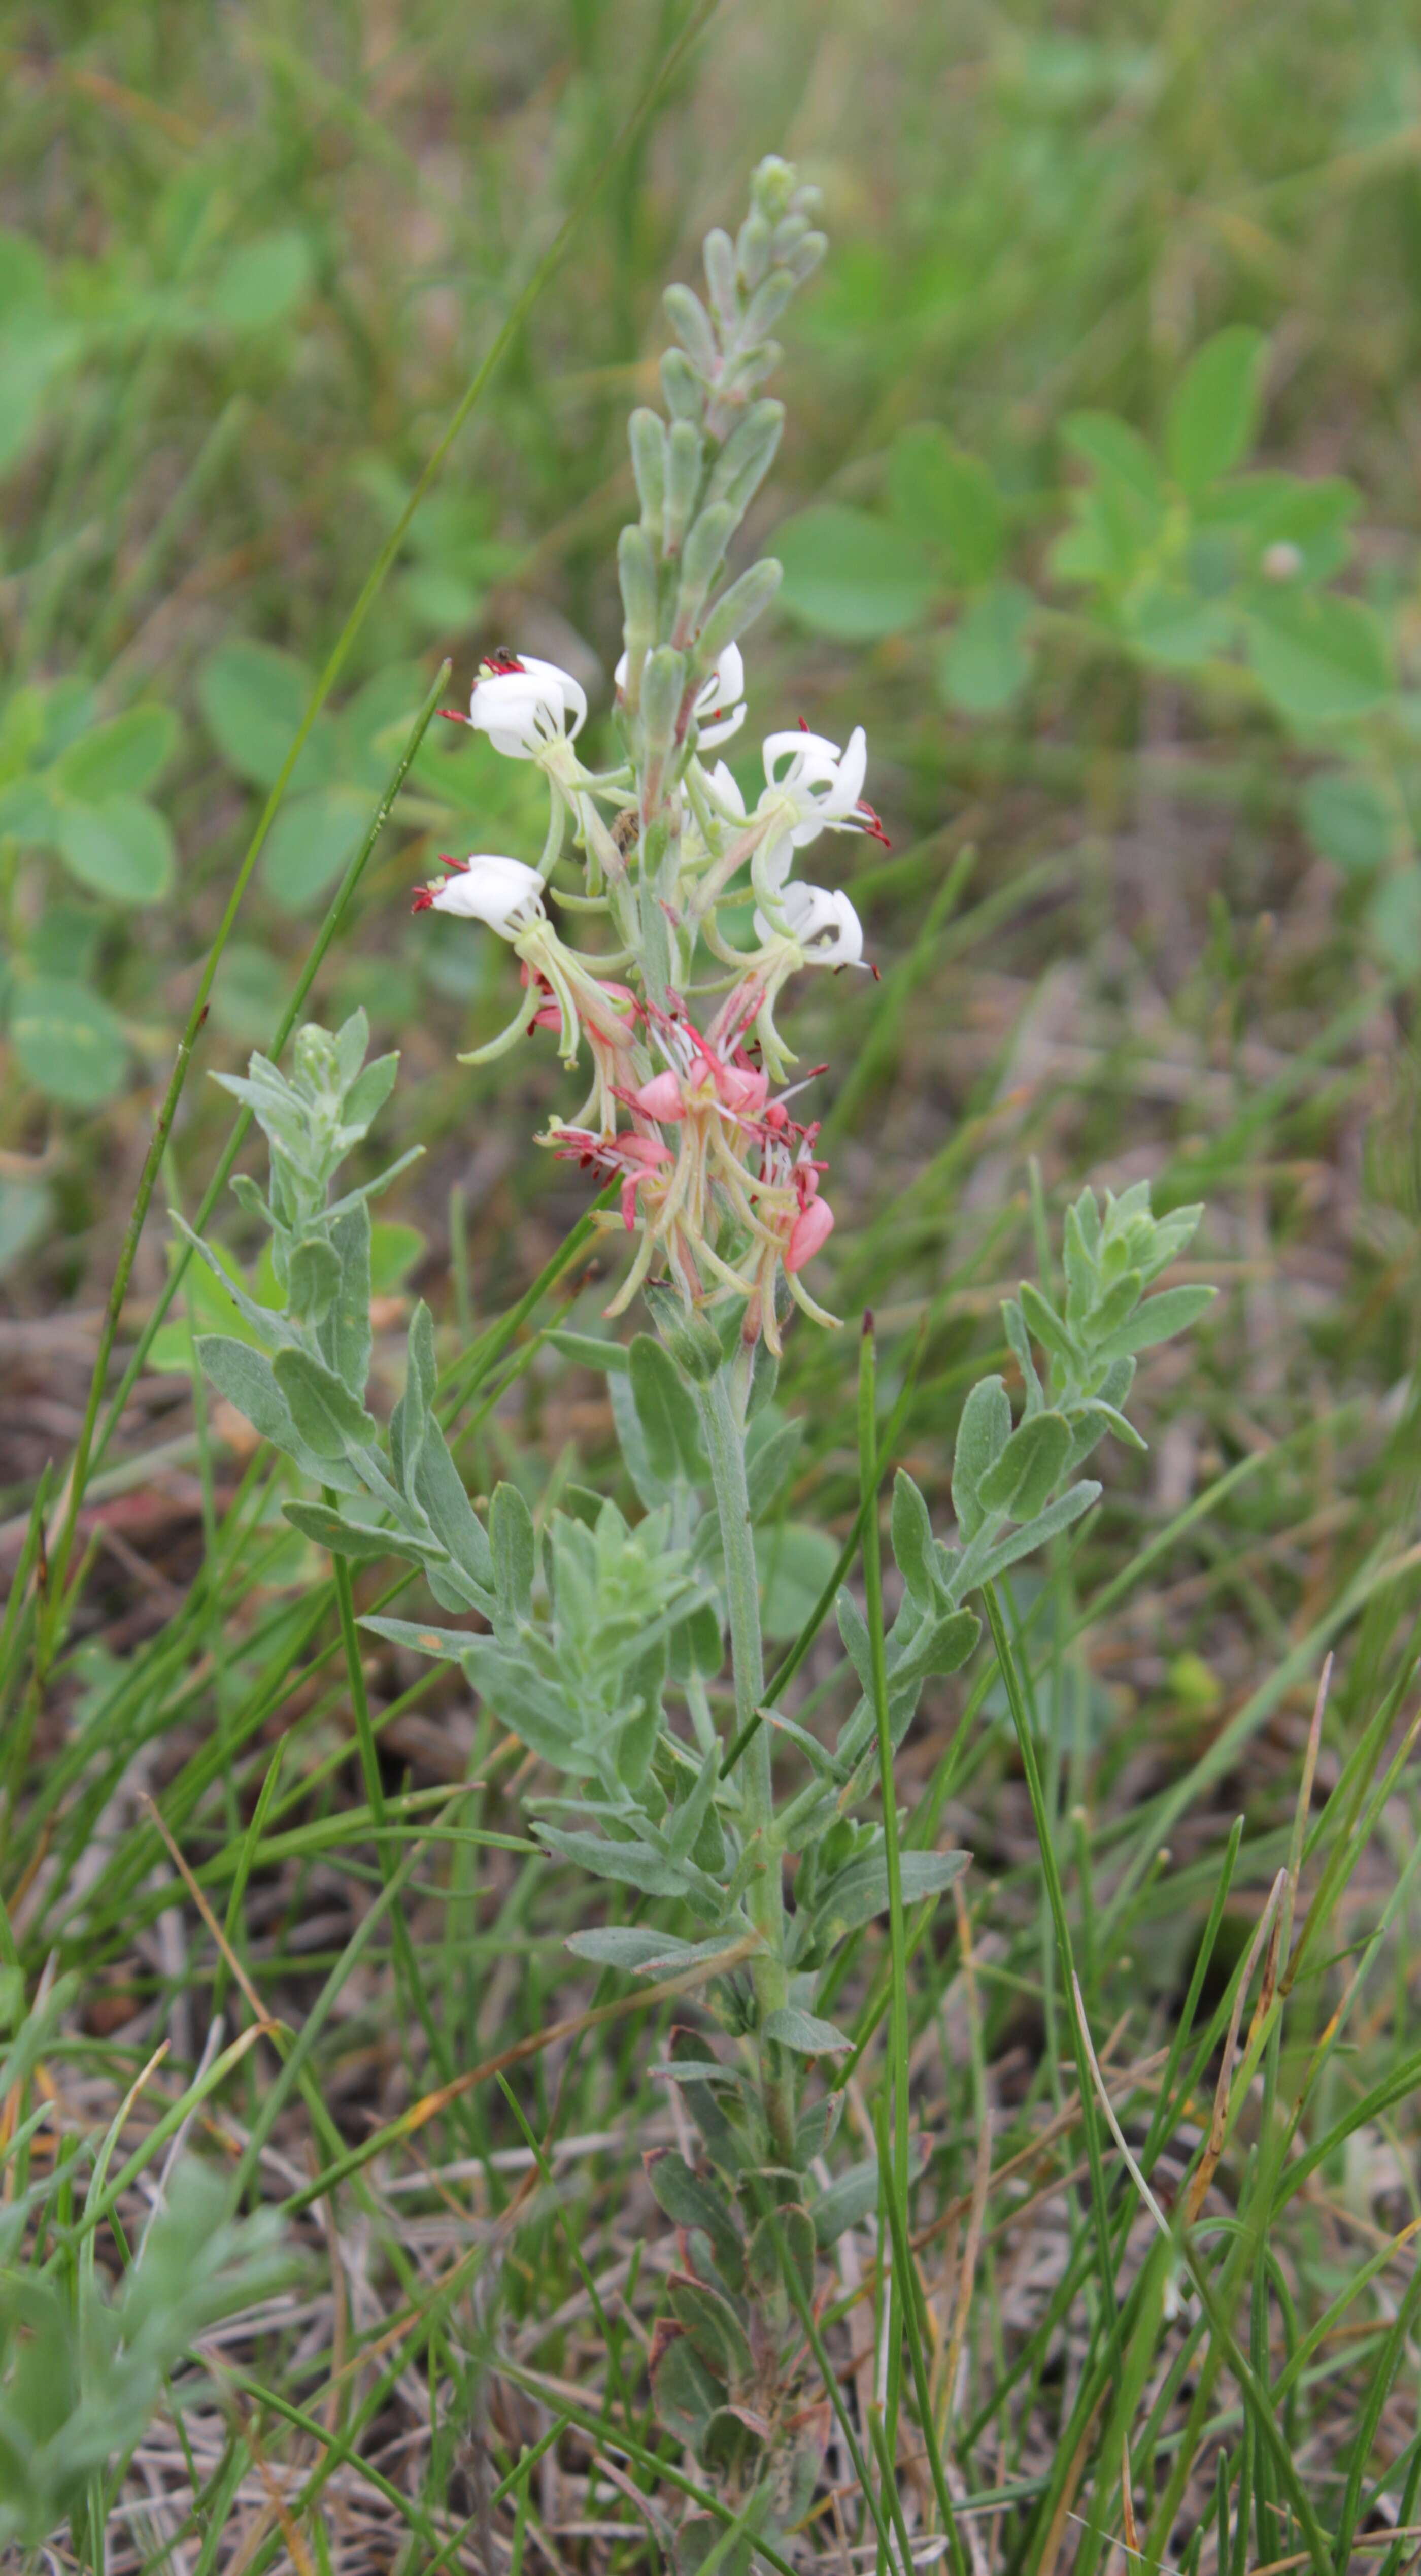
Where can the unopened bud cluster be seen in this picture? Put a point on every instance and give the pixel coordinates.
(688, 1115)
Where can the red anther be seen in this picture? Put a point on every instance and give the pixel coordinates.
(460, 867)
(500, 662)
(454, 715)
(423, 899)
(872, 825)
(804, 724)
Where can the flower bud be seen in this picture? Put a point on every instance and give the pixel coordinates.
(809, 1233)
(752, 247)
(767, 303)
(747, 456)
(684, 450)
(636, 568)
(736, 609)
(648, 444)
(806, 256)
(663, 681)
(772, 187)
(701, 560)
(721, 278)
(685, 391)
(692, 325)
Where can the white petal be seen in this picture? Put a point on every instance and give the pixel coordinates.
(725, 788)
(561, 689)
(853, 769)
(809, 756)
(504, 893)
(711, 734)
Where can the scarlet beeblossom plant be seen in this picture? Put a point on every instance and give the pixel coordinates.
(602, 1641)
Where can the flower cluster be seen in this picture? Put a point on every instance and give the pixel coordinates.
(719, 1181)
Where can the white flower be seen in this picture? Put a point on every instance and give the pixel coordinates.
(810, 783)
(719, 710)
(504, 893)
(720, 701)
(523, 705)
(823, 923)
(725, 788)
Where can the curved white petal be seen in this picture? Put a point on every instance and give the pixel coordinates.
(711, 734)
(808, 756)
(521, 709)
(504, 893)
(822, 920)
(725, 788)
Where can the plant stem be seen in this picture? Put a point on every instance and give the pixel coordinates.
(725, 1446)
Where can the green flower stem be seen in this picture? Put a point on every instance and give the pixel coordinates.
(725, 1446)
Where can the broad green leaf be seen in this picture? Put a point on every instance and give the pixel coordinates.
(65, 941)
(28, 809)
(515, 1551)
(588, 1350)
(629, 1946)
(262, 282)
(691, 2199)
(846, 2203)
(1175, 628)
(914, 1548)
(986, 663)
(1394, 919)
(344, 1537)
(119, 758)
(1118, 452)
(328, 1417)
(1158, 1320)
(249, 992)
(686, 2395)
(860, 1892)
(1267, 511)
(633, 1864)
(795, 1562)
(1030, 1464)
(310, 842)
(1049, 1524)
(121, 849)
(1213, 411)
(253, 699)
(68, 1041)
(1346, 817)
(805, 2033)
(947, 499)
(982, 1435)
(247, 1379)
(853, 576)
(713, 2327)
(24, 1214)
(1321, 659)
(666, 1409)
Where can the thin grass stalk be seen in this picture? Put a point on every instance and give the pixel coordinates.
(1099, 2198)
(896, 2184)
